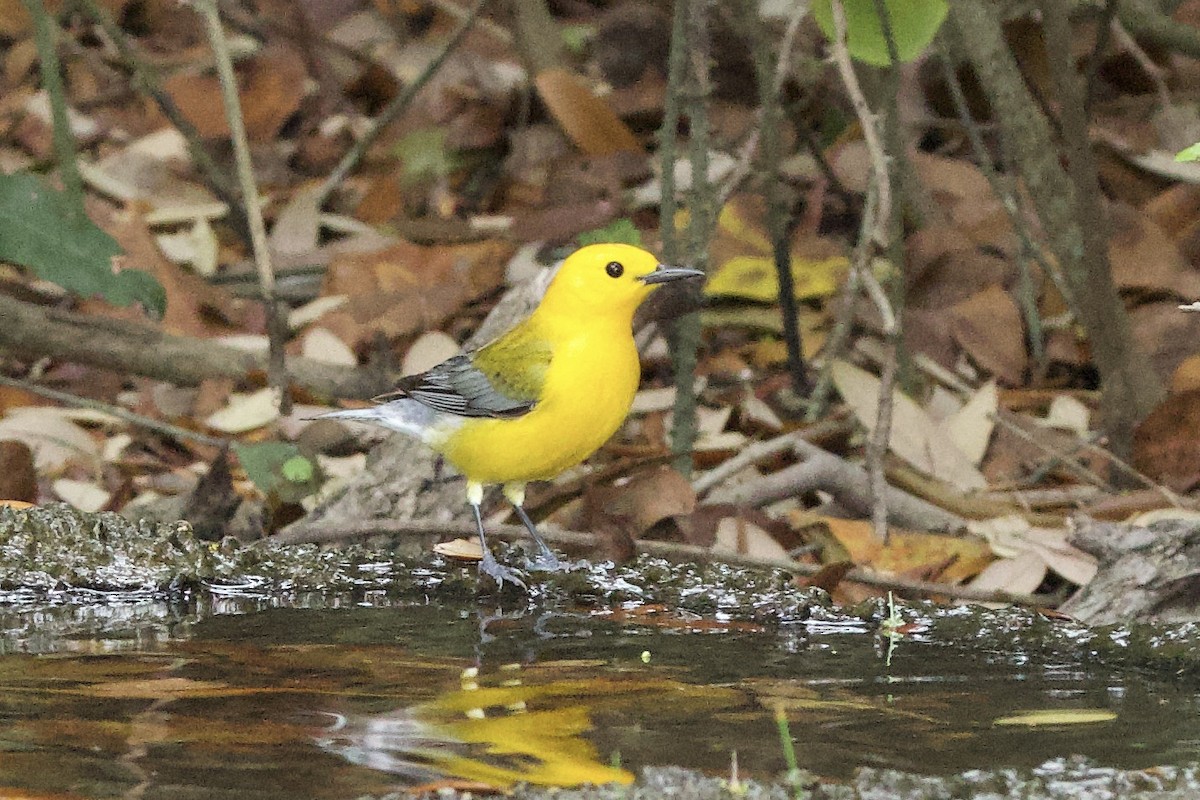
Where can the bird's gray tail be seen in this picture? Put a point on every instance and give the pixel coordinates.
(404, 415)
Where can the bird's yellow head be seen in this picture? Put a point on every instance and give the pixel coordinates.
(607, 280)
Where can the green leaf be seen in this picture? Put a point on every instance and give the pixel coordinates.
(1189, 153)
(279, 469)
(914, 23)
(298, 469)
(620, 231)
(40, 231)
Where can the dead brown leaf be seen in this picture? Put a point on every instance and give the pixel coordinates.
(18, 478)
(194, 306)
(1174, 209)
(949, 559)
(1186, 375)
(590, 123)
(1166, 444)
(564, 222)
(271, 85)
(1021, 446)
(647, 498)
(405, 288)
(957, 274)
(988, 326)
(1144, 257)
(1166, 335)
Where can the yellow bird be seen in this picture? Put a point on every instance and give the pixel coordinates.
(543, 396)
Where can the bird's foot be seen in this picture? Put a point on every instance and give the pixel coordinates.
(498, 572)
(546, 561)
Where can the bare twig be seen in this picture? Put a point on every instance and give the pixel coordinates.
(668, 550)
(1104, 32)
(1041, 499)
(1140, 477)
(879, 158)
(779, 211)
(396, 107)
(1145, 19)
(146, 79)
(1065, 459)
(1008, 201)
(668, 135)
(1077, 239)
(885, 232)
(749, 148)
(276, 324)
(1153, 71)
(495, 30)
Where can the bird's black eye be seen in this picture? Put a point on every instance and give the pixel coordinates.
(614, 269)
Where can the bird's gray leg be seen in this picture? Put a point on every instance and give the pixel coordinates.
(489, 565)
(545, 559)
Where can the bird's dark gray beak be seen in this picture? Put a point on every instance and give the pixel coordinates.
(665, 274)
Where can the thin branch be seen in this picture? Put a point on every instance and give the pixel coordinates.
(685, 331)
(886, 234)
(849, 484)
(1154, 72)
(1104, 31)
(879, 158)
(668, 134)
(498, 32)
(145, 78)
(843, 318)
(1008, 201)
(779, 211)
(396, 107)
(276, 324)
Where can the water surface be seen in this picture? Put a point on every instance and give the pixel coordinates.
(230, 696)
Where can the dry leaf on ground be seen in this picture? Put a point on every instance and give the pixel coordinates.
(914, 436)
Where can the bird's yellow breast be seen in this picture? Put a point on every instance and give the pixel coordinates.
(589, 387)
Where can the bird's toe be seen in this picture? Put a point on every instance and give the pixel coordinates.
(498, 572)
(546, 561)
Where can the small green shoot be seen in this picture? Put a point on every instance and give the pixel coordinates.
(890, 628)
(785, 740)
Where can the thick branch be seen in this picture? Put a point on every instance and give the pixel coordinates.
(849, 484)
(32, 331)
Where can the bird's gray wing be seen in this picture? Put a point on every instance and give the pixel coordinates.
(489, 382)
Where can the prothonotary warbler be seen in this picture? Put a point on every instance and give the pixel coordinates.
(543, 396)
